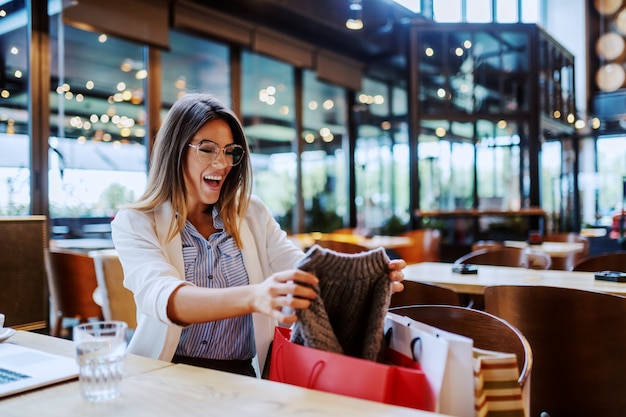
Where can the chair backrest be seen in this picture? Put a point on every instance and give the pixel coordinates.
(24, 297)
(508, 256)
(118, 302)
(488, 331)
(487, 244)
(613, 261)
(424, 293)
(567, 263)
(567, 237)
(71, 282)
(578, 343)
(344, 247)
(425, 247)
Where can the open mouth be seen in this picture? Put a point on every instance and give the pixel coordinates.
(213, 180)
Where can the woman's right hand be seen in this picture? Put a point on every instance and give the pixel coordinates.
(284, 289)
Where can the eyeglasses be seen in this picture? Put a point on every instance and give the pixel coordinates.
(208, 151)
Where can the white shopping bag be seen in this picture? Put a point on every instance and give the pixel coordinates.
(429, 351)
(456, 395)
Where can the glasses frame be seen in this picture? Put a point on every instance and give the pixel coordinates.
(230, 146)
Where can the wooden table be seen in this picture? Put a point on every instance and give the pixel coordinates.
(82, 244)
(441, 273)
(154, 388)
(306, 240)
(563, 254)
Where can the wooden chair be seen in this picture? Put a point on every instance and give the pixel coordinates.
(117, 301)
(508, 256)
(71, 282)
(487, 331)
(613, 261)
(424, 293)
(24, 296)
(425, 247)
(578, 343)
(568, 262)
(344, 247)
(487, 244)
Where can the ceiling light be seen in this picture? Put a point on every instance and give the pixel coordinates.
(355, 22)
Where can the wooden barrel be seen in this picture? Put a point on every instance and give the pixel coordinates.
(611, 46)
(607, 7)
(620, 22)
(610, 77)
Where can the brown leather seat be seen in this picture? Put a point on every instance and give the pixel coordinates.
(425, 247)
(424, 293)
(613, 261)
(488, 332)
(71, 282)
(578, 343)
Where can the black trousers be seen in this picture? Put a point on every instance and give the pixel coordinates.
(241, 367)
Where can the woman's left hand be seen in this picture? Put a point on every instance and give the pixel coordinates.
(396, 275)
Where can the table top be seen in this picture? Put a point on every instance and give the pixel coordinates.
(441, 273)
(83, 244)
(530, 211)
(306, 240)
(156, 388)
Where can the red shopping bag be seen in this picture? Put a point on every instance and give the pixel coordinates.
(403, 384)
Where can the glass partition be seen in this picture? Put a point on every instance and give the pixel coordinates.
(324, 158)
(374, 158)
(14, 119)
(194, 65)
(269, 122)
(97, 156)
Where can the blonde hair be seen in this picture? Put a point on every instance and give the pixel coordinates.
(165, 178)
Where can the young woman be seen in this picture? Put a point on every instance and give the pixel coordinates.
(210, 268)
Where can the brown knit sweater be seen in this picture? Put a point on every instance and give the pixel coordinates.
(348, 314)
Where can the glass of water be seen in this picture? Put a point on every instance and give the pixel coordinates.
(100, 352)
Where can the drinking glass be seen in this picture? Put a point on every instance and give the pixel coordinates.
(100, 352)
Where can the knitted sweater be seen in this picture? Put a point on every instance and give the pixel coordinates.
(353, 296)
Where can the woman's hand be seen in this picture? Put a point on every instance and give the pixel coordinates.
(283, 293)
(396, 275)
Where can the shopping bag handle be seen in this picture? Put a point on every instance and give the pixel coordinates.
(314, 375)
(416, 341)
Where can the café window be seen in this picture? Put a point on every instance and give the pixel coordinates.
(269, 122)
(97, 155)
(15, 156)
(194, 65)
(324, 159)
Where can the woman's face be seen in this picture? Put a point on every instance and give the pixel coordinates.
(204, 180)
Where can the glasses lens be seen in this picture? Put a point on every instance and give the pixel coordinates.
(207, 151)
(234, 154)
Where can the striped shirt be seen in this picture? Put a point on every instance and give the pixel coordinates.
(215, 262)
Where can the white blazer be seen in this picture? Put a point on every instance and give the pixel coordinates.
(154, 268)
